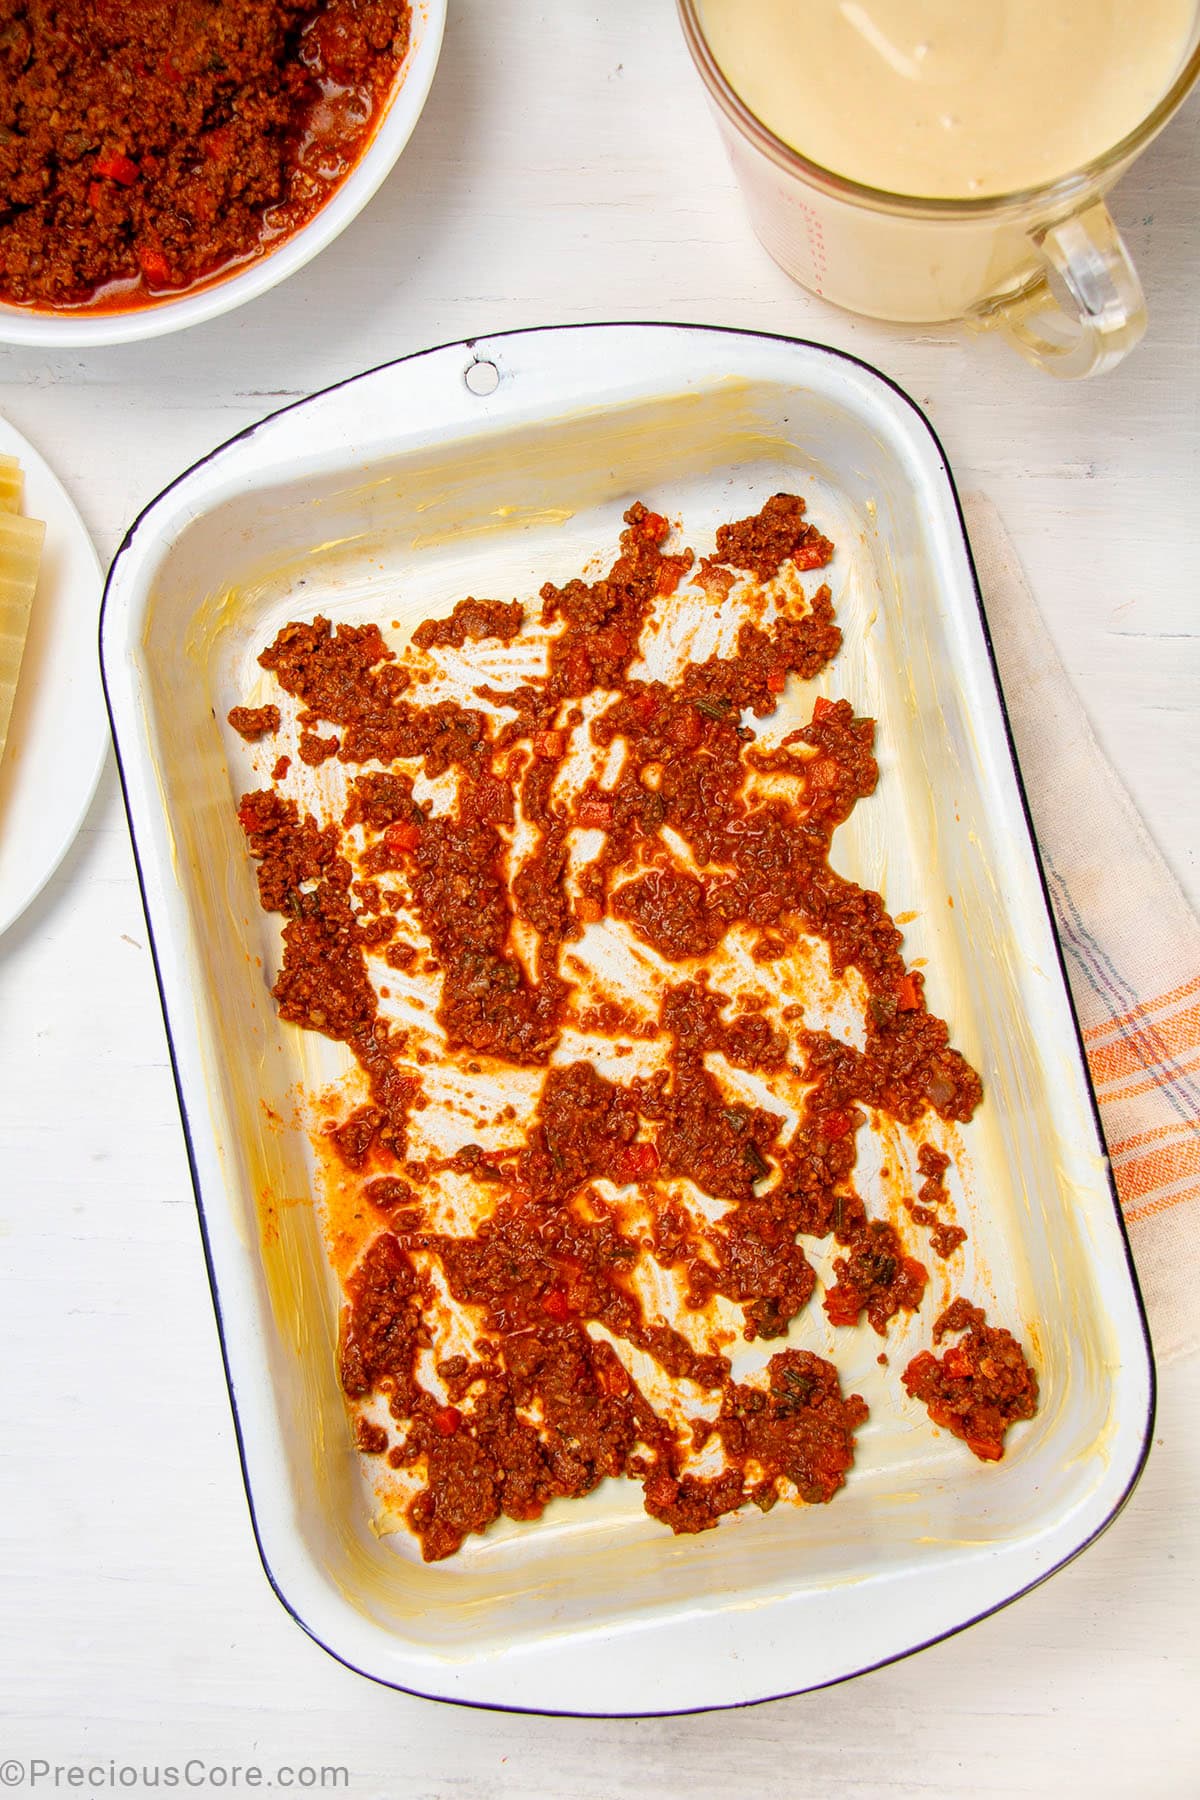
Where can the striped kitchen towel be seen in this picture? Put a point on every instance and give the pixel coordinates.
(1130, 941)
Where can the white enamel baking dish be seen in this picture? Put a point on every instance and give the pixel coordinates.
(389, 497)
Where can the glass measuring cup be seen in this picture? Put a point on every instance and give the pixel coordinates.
(1045, 265)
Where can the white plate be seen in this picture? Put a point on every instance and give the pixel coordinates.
(58, 738)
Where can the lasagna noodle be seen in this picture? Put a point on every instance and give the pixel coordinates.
(20, 557)
(11, 485)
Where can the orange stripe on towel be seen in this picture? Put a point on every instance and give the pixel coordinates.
(1164, 1041)
(1153, 1207)
(1142, 1011)
(1158, 1170)
(1152, 1081)
(1149, 1137)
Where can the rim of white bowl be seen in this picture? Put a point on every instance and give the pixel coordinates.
(83, 330)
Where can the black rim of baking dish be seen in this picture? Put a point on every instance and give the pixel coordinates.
(470, 346)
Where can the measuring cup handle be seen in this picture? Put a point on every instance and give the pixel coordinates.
(1108, 316)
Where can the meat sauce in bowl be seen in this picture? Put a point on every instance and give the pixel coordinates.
(146, 150)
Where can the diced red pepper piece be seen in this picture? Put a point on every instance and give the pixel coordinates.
(217, 143)
(611, 641)
(836, 1125)
(685, 728)
(154, 266)
(843, 1304)
(957, 1363)
(644, 706)
(556, 1306)
(594, 811)
(654, 527)
(908, 993)
(821, 709)
(446, 1421)
(549, 745)
(923, 1367)
(823, 773)
(115, 166)
(402, 837)
(986, 1449)
(670, 574)
(776, 680)
(636, 1161)
(811, 556)
(95, 193)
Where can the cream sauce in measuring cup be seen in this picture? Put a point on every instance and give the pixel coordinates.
(949, 98)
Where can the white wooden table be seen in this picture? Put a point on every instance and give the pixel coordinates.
(564, 170)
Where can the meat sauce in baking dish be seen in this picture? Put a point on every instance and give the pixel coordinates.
(528, 1315)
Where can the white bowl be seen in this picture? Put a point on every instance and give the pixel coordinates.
(79, 330)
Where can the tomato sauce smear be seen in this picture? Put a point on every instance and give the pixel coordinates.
(468, 858)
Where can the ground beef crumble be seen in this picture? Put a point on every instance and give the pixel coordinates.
(254, 722)
(981, 1386)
